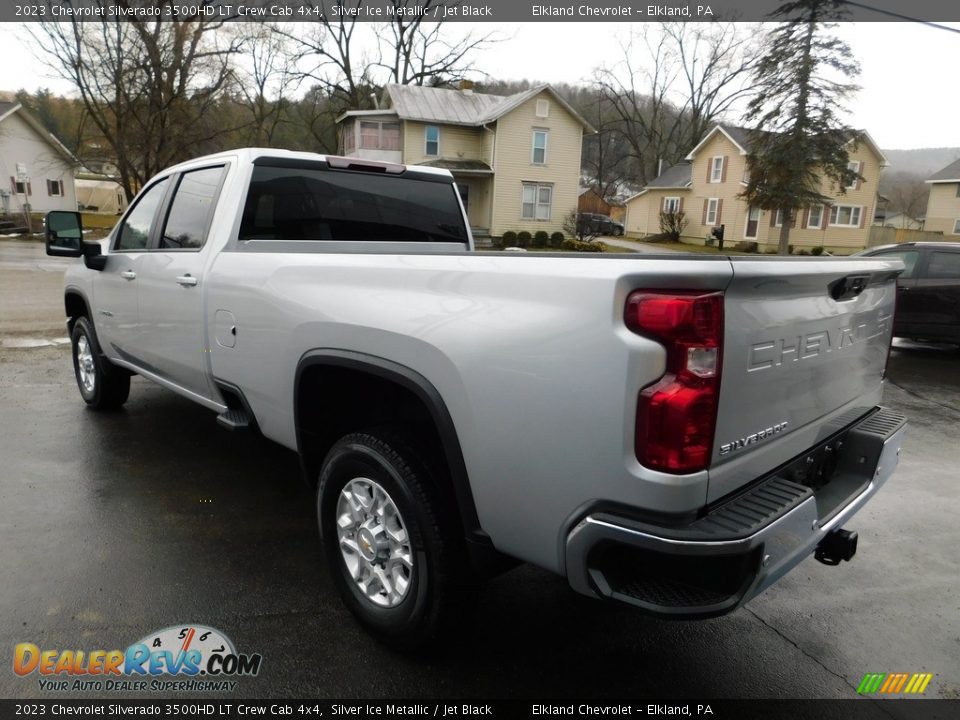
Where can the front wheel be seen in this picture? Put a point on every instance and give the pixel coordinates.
(103, 386)
(394, 557)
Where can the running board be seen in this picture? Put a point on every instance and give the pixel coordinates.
(235, 419)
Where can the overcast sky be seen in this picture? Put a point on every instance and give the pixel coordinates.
(909, 96)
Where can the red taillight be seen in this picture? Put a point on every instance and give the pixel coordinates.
(677, 415)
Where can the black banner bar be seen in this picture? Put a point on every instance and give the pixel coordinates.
(447, 709)
(473, 11)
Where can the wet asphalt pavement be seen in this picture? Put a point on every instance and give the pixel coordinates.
(116, 525)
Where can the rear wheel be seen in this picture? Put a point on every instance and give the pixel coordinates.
(395, 558)
(103, 386)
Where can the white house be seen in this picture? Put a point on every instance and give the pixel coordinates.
(35, 168)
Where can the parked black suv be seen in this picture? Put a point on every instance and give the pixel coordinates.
(595, 224)
(928, 291)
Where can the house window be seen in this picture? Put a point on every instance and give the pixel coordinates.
(349, 137)
(53, 188)
(716, 169)
(854, 167)
(539, 147)
(432, 141)
(845, 215)
(778, 218)
(671, 205)
(958, 189)
(815, 217)
(956, 227)
(19, 187)
(376, 135)
(537, 200)
(543, 108)
(712, 205)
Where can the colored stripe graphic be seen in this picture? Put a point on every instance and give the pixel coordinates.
(894, 683)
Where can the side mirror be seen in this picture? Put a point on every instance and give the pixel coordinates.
(64, 234)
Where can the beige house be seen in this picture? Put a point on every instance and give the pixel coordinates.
(943, 205)
(707, 184)
(515, 159)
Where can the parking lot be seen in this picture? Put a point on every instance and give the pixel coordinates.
(113, 526)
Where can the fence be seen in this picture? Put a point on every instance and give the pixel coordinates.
(891, 236)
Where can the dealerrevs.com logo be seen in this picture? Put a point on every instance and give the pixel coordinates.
(178, 658)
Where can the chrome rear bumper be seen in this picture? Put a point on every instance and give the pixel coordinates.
(742, 546)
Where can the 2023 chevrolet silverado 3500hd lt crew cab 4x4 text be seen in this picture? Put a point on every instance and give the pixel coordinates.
(672, 432)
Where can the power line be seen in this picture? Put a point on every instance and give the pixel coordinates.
(890, 13)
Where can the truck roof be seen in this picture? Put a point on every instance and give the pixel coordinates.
(251, 154)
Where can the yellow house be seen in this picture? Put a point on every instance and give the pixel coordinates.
(943, 205)
(515, 159)
(707, 185)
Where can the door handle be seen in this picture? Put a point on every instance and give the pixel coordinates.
(187, 280)
(128, 275)
(901, 288)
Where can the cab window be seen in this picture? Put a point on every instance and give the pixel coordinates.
(191, 210)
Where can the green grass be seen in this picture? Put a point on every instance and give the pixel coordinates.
(701, 249)
(92, 221)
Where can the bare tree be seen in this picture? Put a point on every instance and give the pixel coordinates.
(411, 49)
(415, 49)
(907, 193)
(267, 82)
(674, 81)
(149, 87)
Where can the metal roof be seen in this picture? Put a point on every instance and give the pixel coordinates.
(471, 166)
(459, 107)
(413, 102)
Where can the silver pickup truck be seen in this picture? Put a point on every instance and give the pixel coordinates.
(672, 432)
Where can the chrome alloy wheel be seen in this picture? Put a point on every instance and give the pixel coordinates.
(374, 542)
(85, 364)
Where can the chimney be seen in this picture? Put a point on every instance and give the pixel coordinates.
(466, 87)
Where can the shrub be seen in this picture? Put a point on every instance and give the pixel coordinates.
(580, 246)
(509, 239)
(673, 224)
(540, 238)
(817, 250)
(523, 239)
(556, 240)
(803, 251)
(790, 249)
(746, 246)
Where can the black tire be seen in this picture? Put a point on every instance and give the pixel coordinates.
(436, 581)
(103, 386)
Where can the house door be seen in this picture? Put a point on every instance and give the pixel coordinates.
(464, 191)
(753, 222)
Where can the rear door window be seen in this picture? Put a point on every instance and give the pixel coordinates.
(191, 210)
(944, 265)
(302, 203)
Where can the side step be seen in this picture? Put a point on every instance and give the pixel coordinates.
(235, 419)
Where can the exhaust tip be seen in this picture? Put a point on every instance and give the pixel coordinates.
(837, 546)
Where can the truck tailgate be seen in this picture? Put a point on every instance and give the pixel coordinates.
(805, 345)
